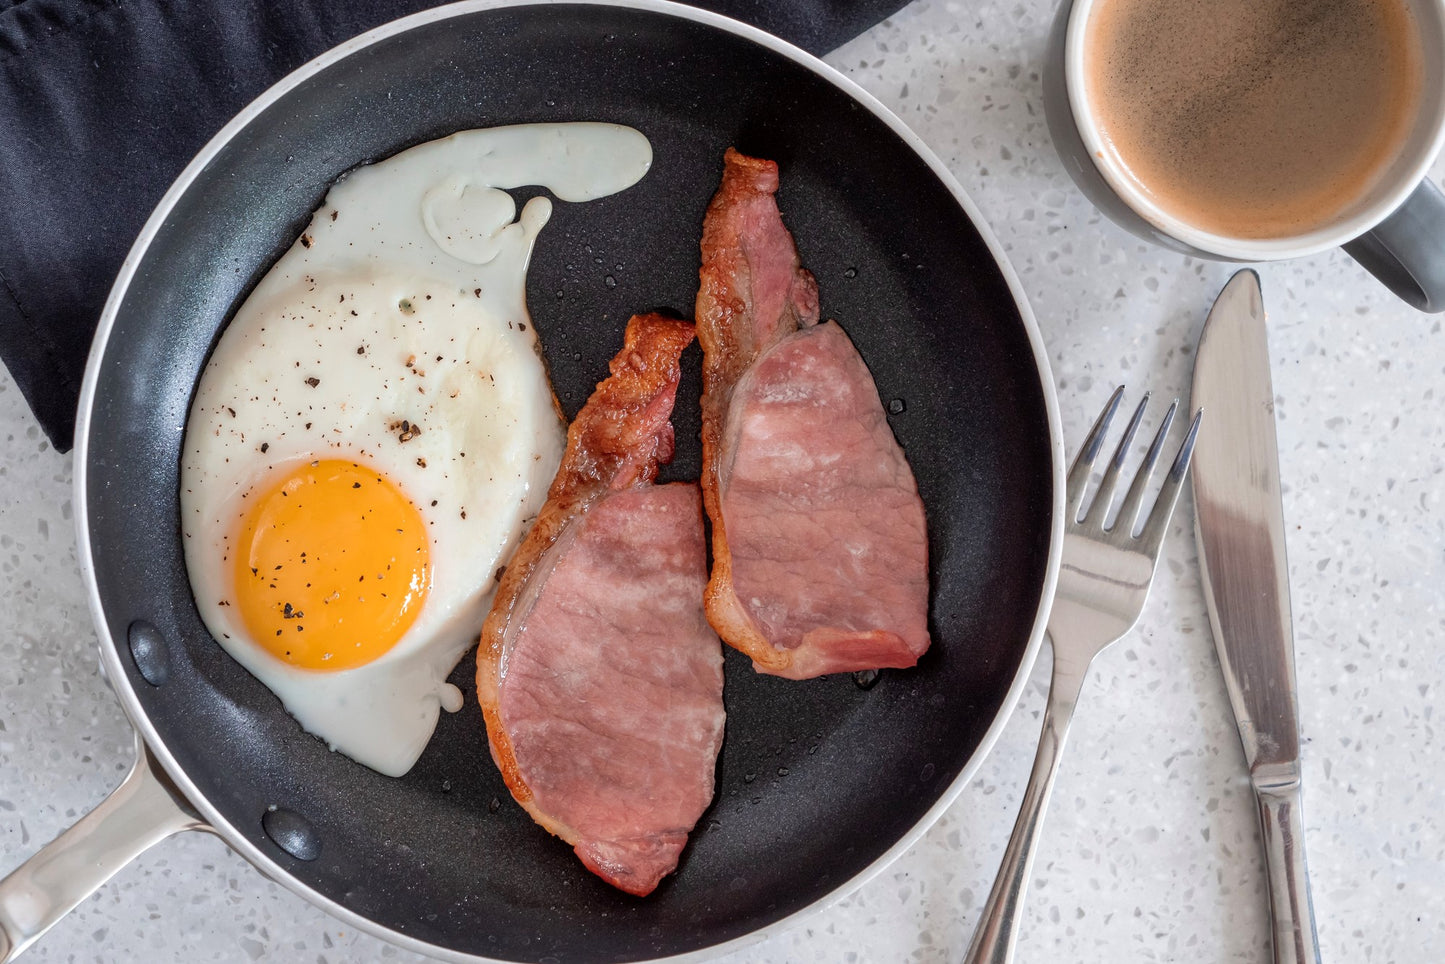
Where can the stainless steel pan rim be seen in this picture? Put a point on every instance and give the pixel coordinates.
(109, 652)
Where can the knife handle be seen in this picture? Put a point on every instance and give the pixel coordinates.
(1282, 828)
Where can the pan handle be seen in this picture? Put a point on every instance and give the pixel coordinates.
(144, 810)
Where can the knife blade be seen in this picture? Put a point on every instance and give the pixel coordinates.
(1239, 528)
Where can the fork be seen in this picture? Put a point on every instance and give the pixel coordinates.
(1104, 579)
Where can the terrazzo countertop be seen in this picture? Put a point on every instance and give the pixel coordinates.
(1151, 851)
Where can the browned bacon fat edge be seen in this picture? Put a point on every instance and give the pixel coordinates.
(820, 554)
(598, 675)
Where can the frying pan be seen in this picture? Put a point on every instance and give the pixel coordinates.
(820, 783)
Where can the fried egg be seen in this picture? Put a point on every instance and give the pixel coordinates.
(375, 429)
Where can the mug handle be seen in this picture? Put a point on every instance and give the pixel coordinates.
(144, 810)
(1406, 251)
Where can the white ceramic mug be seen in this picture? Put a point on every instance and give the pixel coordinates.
(1396, 229)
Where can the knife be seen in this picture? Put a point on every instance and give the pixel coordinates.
(1239, 527)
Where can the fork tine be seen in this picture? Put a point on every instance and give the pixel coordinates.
(1105, 495)
(1084, 462)
(1158, 524)
(1129, 511)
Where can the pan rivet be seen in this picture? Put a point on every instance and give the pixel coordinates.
(291, 832)
(149, 650)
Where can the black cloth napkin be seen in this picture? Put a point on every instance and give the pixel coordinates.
(103, 102)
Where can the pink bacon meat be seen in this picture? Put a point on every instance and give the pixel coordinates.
(598, 675)
(820, 549)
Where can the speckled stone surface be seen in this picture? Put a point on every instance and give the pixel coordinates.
(1150, 850)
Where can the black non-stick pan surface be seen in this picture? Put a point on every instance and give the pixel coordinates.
(816, 779)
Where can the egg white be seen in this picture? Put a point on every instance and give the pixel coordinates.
(394, 333)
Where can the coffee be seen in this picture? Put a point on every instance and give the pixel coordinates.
(1254, 118)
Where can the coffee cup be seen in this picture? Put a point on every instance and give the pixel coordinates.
(1235, 140)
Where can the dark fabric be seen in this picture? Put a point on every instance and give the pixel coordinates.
(103, 102)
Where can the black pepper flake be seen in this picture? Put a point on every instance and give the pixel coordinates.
(521, 326)
(464, 513)
(408, 430)
(306, 241)
(313, 381)
(333, 215)
(360, 349)
(477, 292)
(264, 447)
(499, 573)
(356, 485)
(232, 411)
(289, 613)
(421, 463)
(433, 501)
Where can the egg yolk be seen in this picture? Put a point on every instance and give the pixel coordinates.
(332, 566)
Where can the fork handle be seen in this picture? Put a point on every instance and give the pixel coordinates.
(1292, 909)
(993, 942)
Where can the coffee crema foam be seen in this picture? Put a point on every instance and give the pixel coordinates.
(1254, 118)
